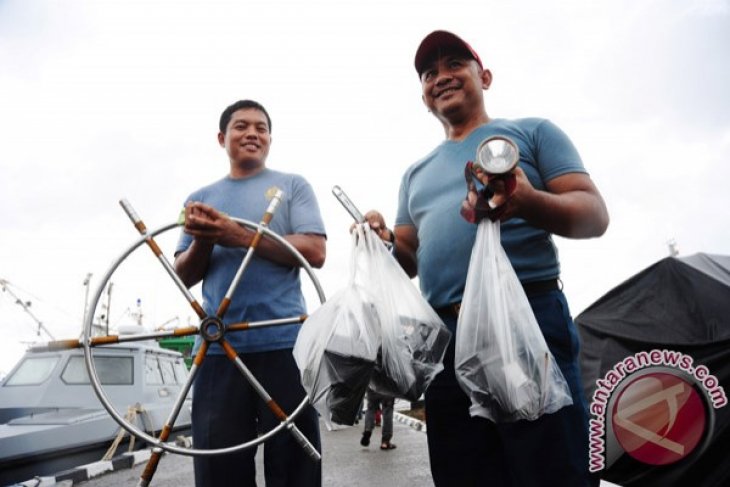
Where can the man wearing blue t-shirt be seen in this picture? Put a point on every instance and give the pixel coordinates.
(226, 409)
(552, 194)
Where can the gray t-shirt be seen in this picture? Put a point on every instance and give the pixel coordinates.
(267, 290)
(432, 191)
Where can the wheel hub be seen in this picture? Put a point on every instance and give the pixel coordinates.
(212, 329)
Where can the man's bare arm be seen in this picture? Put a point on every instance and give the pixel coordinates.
(209, 227)
(571, 207)
(406, 246)
(192, 263)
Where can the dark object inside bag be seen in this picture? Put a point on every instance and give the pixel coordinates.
(421, 351)
(474, 372)
(429, 344)
(349, 377)
(409, 389)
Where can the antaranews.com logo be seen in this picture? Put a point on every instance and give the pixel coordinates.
(656, 406)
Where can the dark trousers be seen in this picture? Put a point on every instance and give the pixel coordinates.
(227, 411)
(475, 452)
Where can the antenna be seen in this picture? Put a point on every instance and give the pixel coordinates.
(87, 283)
(26, 307)
(138, 314)
(108, 306)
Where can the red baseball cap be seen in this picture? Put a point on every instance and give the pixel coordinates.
(438, 40)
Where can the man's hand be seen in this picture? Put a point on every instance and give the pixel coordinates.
(208, 225)
(570, 205)
(503, 199)
(404, 239)
(377, 224)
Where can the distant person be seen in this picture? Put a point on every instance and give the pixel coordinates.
(226, 409)
(553, 195)
(376, 402)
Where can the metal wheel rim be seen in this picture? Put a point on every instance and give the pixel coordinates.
(99, 390)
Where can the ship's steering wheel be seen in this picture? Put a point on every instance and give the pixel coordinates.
(211, 329)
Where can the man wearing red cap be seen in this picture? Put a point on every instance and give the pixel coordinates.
(552, 194)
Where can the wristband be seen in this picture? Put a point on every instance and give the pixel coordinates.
(390, 243)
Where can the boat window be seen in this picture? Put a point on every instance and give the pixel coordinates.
(152, 373)
(181, 372)
(168, 372)
(33, 371)
(109, 370)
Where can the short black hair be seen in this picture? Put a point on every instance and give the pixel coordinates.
(241, 105)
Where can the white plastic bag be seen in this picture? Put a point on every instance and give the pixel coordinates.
(414, 338)
(502, 361)
(378, 330)
(336, 351)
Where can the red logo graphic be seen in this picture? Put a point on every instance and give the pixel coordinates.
(659, 418)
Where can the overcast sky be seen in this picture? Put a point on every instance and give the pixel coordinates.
(102, 100)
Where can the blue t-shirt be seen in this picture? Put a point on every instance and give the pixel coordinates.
(267, 290)
(432, 191)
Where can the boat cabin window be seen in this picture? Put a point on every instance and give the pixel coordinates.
(162, 370)
(152, 372)
(33, 371)
(110, 370)
(168, 371)
(181, 372)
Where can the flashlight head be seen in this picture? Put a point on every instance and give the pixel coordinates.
(497, 155)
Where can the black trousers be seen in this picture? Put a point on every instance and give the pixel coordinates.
(227, 411)
(475, 452)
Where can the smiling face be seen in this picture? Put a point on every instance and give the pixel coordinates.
(452, 86)
(247, 140)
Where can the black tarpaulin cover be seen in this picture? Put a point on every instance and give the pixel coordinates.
(680, 304)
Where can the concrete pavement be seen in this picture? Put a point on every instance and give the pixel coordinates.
(344, 462)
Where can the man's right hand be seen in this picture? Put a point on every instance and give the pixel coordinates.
(208, 225)
(404, 240)
(377, 224)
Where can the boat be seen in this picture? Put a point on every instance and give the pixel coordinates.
(51, 419)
